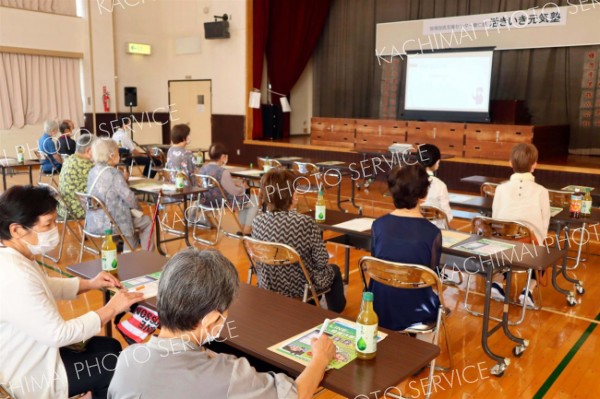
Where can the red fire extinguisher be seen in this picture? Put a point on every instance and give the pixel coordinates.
(105, 99)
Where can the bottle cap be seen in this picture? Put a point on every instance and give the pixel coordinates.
(108, 231)
(368, 296)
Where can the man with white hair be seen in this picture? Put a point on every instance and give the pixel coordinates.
(46, 145)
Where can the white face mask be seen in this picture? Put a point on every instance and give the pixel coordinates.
(47, 241)
(210, 337)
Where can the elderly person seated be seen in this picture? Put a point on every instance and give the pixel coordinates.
(108, 184)
(178, 157)
(282, 225)
(235, 190)
(66, 145)
(195, 292)
(405, 236)
(47, 146)
(74, 176)
(36, 357)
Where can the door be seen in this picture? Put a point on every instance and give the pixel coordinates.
(191, 103)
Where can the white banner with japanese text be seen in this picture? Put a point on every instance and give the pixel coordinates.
(549, 15)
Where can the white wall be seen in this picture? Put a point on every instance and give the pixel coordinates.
(41, 31)
(301, 101)
(160, 23)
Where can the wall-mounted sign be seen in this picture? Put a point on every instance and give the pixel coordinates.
(139, 48)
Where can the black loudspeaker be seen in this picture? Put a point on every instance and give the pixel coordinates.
(131, 96)
(216, 30)
(272, 121)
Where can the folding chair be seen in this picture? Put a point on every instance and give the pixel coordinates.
(213, 211)
(157, 156)
(488, 189)
(42, 156)
(562, 199)
(438, 217)
(269, 162)
(406, 276)
(435, 215)
(64, 220)
(92, 203)
(507, 230)
(310, 180)
(274, 254)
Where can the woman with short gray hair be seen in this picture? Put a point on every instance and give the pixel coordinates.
(108, 184)
(195, 292)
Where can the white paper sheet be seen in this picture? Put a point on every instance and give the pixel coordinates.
(555, 210)
(358, 224)
(250, 173)
(460, 197)
(451, 237)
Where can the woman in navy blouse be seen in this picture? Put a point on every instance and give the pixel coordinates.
(405, 236)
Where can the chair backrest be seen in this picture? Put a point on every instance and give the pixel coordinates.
(277, 255)
(434, 214)
(273, 163)
(38, 155)
(399, 275)
(561, 199)
(488, 189)
(90, 202)
(209, 182)
(305, 168)
(312, 174)
(506, 229)
(69, 214)
(157, 154)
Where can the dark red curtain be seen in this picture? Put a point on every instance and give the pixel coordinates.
(294, 29)
(260, 23)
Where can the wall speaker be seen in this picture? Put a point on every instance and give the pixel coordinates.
(216, 30)
(131, 96)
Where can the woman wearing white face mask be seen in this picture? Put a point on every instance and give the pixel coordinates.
(195, 292)
(34, 360)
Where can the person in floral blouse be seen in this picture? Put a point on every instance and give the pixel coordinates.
(74, 176)
(178, 156)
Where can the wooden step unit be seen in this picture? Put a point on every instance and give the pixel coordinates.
(379, 134)
(469, 140)
(335, 132)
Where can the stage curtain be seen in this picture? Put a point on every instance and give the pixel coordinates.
(35, 88)
(294, 29)
(63, 7)
(260, 31)
(350, 82)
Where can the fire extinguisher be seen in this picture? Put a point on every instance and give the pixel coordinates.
(105, 99)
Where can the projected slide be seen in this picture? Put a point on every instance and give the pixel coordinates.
(451, 82)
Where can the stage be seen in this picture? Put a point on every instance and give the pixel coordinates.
(570, 169)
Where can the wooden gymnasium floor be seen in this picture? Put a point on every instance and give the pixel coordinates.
(561, 361)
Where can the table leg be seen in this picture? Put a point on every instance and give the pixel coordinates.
(353, 197)
(108, 326)
(486, 332)
(339, 196)
(505, 322)
(158, 240)
(346, 264)
(569, 295)
(30, 176)
(4, 177)
(185, 222)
